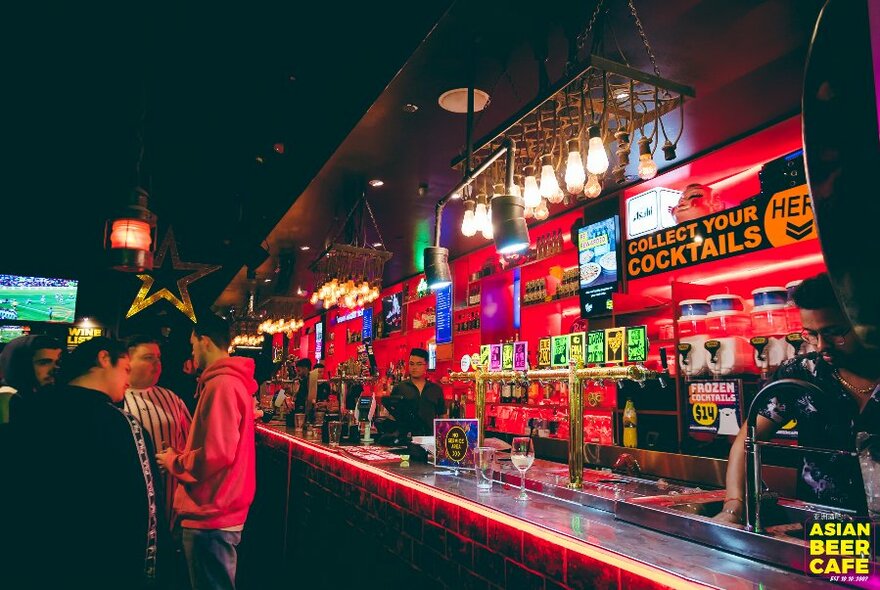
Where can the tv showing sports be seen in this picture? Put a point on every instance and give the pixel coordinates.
(10, 333)
(37, 299)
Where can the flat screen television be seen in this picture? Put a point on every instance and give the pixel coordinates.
(392, 313)
(10, 333)
(37, 299)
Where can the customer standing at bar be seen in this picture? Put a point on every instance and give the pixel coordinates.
(301, 390)
(427, 395)
(83, 508)
(27, 366)
(161, 413)
(849, 376)
(216, 467)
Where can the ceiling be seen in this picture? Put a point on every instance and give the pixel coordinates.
(217, 88)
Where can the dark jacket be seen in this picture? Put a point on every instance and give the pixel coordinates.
(86, 500)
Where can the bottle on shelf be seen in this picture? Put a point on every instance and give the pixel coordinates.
(630, 421)
(456, 410)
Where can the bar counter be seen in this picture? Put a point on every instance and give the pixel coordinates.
(327, 519)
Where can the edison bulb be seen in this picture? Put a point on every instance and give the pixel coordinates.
(541, 211)
(647, 167)
(487, 230)
(574, 173)
(549, 184)
(556, 197)
(531, 192)
(481, 216)
(468, 224)
(528, 213)
(594, 187)
(597, 157)
(515, 190)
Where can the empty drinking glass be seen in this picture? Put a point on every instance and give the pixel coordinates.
(522, 455)
(334, 429)
(485, 463)
(299, 420)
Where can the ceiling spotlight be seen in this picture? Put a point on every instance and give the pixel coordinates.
(437, 273)
(456, 100)
(304, 248)
(377, 244)
(267, 280)
(259, 159)
(278, 147)
(511, 232)
(376, 182)
(410, 107)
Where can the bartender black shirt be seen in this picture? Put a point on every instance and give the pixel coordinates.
(831, 422)
(430, 403)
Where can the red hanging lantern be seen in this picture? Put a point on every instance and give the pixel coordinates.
(130, 238)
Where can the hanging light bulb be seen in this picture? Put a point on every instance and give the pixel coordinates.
(549, 184)
(515, 189)
(574, 169)
(647, 166)
(528, 213)
(541, 211)
(597, 158)
(481, 213)
(531, 192)
(594, 187)
(468, 222)
(487, 230)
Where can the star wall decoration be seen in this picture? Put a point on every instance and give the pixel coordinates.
(183, 303)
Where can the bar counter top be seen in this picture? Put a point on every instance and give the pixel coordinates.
(570, 533)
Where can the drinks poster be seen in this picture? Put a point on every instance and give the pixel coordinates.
(714, 409)
(637, 344)
(615, 341)
(576, 350)
(560, 351)
(494, 357)
(544, 353)
(507, 356)
(520, 356)
(596, 347)
(597, 259)
(454, 442)
(484, 357)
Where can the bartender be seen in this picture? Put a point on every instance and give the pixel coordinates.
(849, 376)
(301, 385)
(427, 395)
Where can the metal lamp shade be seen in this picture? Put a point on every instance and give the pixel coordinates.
(437, 273)
(509, 224)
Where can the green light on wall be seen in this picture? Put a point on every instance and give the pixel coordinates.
(421, 240)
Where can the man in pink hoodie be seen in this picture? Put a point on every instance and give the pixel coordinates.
(216, 467)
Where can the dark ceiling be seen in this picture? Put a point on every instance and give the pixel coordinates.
(221, 86)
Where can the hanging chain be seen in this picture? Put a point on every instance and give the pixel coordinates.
(582, 38)
(641, 30)
(373, 219)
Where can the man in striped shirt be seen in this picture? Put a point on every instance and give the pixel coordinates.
(159, 410)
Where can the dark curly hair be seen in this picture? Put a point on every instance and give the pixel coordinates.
(815, 293)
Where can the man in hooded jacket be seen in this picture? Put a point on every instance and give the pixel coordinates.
(216, 467)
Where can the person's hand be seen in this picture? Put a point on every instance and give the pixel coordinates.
(731, 512)
(166, 458)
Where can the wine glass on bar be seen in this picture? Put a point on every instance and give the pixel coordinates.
(522, 455)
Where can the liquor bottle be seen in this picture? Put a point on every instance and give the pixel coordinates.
(455, 410)
(630, 420)
(506, 394)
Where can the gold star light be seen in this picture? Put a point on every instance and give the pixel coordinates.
(182, 303)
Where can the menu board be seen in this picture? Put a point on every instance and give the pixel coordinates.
(454, 442)
(367, 329)
(443, 324)
(598, 259)
(319, 341)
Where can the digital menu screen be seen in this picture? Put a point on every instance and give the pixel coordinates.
(444, 315)
(598, 259)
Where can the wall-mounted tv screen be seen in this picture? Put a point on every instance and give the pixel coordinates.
(10, 333)
(392, 313)
(37, 299)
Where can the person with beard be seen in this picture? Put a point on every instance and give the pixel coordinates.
(27, 366)
(848, 375)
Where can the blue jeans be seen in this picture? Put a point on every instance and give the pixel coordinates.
(211, 557)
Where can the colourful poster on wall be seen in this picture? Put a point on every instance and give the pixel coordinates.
(714, 409)
(507, 356)
(485, 353)
(494, 357)
(637, 344)
(520, 355)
